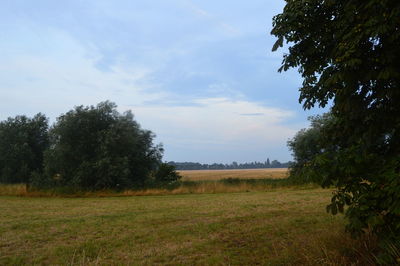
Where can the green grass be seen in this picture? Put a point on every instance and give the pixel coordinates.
(280, 227)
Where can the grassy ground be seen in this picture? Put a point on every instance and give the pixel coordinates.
(270, 173)
(280, 227)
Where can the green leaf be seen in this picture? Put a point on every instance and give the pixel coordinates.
(278, 43)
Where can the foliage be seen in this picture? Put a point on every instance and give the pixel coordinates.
(22, 143)
(347, 52)
(99, 148)
(166, 173)
(305, 146)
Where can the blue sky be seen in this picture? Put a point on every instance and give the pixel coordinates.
(200, 74)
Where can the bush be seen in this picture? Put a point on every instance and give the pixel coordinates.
(166, 176)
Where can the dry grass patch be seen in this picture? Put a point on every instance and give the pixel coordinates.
(13, 190)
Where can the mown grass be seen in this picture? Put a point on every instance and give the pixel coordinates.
(285, 226)
(201, 175)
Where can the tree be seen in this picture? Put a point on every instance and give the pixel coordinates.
(275, 164)
(306, 145)
(347, 52)
(166, 174)
(97, 148)
(22, 144)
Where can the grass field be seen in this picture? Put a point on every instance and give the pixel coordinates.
(196, 175)
(279, 227)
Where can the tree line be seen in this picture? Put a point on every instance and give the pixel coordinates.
(92, 147)
(233, 165)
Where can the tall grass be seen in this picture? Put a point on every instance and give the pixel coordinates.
(185, 187)
(13, 190)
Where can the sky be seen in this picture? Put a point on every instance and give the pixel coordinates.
(199, 74)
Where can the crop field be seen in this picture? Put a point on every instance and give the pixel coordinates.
(279, 227)
(270, 173)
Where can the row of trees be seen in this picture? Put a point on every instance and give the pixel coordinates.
(233, 165)
(92, 147)
(347, 52)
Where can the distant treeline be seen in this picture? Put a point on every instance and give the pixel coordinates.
(233, 165)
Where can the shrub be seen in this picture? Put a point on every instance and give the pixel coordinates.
(166, 175)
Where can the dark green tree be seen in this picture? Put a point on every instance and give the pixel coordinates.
(22, 144)
(166, 174)
(98, 148)
(347, 51)
(306, 145)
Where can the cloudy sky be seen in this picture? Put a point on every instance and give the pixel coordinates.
(200, 74)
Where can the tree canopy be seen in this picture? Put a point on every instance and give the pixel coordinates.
(22, 143)
(306, 145)
(347, 52)
(97, 147)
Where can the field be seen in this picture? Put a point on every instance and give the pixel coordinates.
(271, 226)
(194, 181)
(196, 175)
(283, 227)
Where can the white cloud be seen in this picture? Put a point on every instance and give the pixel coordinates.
(60, 79)
(216, 124)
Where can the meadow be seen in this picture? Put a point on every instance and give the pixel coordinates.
(271, 226)
(278, 227)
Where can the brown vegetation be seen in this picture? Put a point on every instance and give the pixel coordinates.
(197, 188)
